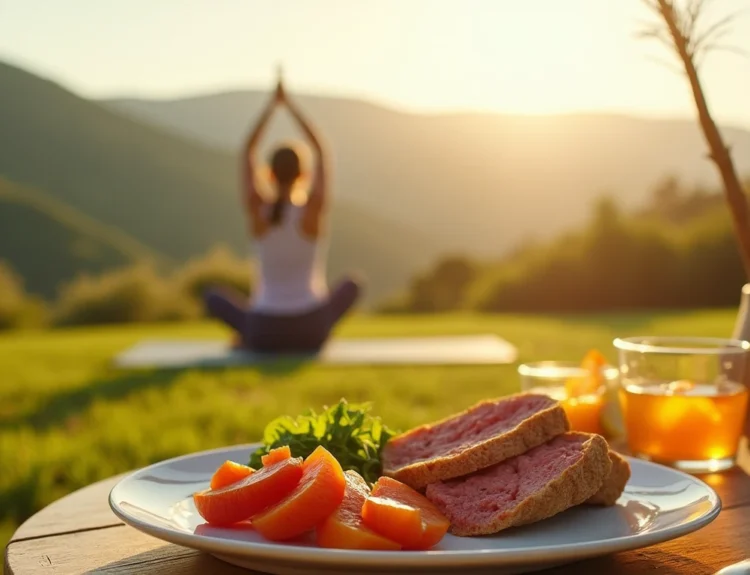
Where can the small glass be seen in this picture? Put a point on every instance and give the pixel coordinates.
(561, 381)
(683, 399)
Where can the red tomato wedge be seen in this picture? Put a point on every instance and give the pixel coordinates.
(319, 492)
(254, 493)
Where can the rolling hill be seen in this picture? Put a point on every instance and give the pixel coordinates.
(171, 195)
(46, 240)
(472, 182)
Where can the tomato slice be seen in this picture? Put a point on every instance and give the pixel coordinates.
(316, 496)
(398, 512)
(256, 492)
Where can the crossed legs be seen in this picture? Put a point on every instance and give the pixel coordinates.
(280, 333)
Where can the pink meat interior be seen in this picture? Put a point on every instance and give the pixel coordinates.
(454, 435)
(486, 495)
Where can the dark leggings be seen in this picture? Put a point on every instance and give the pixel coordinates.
(305, 332)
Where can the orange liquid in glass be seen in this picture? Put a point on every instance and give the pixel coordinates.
(584, 411)
(684, 423)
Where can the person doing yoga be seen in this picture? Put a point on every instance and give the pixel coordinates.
(292, 308)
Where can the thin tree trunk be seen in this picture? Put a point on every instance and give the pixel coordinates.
(720, 155)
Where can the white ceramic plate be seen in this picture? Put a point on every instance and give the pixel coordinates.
(659, 504)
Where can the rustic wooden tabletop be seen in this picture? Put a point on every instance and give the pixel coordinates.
(79, 534)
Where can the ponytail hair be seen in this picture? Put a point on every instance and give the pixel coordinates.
(288, 165)
(277, 212)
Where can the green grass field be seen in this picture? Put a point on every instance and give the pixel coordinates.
(68, 419)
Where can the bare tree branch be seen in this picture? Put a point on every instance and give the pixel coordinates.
(697, 44)
(731, 49)
(671, 66)
(656, 33)
(694, 10)
(652, 4)
(715, 47)
(717, 28)
(678, 30)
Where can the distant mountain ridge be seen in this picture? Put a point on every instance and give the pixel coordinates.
(472, 182)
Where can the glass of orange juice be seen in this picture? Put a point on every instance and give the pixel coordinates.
(560, 380)
(683, 399)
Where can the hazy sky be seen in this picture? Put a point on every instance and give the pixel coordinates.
(519, 56)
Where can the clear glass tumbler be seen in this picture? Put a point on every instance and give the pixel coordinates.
(581, 392)
(683, 399)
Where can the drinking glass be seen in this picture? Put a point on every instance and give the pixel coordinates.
(562, 381)
(683, 399)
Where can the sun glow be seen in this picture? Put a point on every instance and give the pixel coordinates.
(533, 57)
(509, 56)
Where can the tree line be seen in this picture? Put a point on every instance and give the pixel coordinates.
(135, 293)
(678, 251)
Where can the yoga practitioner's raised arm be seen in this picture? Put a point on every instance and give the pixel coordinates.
(252, 198)
(318, 199)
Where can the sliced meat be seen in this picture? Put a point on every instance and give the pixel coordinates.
(483, 435)
(536, 485)
(615, 483)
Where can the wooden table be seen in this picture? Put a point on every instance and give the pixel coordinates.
(79, 534)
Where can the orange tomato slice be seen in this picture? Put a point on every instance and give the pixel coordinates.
(398, 512)
(276, 455)
(259, 490)
(319, 493)
(229, 472)
(344, 528)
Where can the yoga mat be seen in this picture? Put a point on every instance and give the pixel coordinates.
(436, 350)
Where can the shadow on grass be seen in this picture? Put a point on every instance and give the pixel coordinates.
(119, 384)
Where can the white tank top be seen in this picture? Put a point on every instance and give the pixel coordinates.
(291, 268)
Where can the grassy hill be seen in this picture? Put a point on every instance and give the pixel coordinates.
(173, 195)
(46, 240)
(475, 182)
